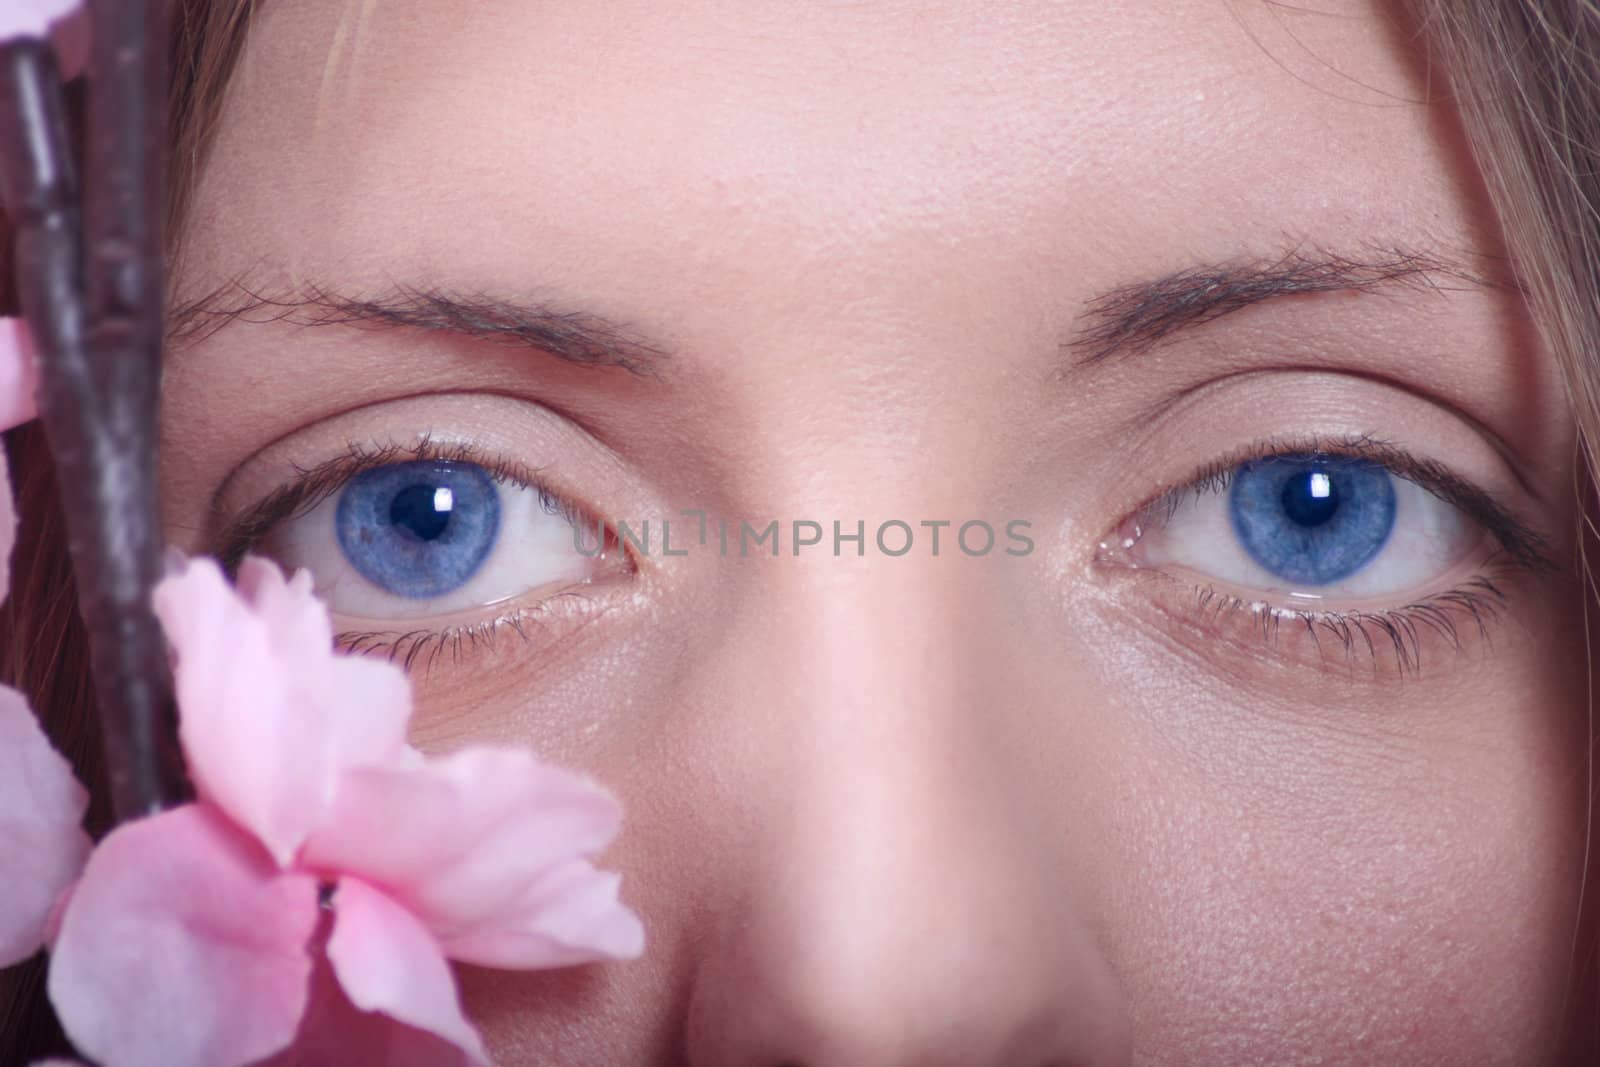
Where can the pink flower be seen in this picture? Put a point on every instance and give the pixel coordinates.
(19, 373)
(18, 381)
(186, 940)
(42, 843)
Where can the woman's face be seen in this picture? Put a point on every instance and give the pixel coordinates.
(1258, 732)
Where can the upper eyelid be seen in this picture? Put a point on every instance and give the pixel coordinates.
(1517, 461)
(1525, 545)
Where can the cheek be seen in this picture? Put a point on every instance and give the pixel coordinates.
(1391, 869)
(1408, 890)
(1436, 931)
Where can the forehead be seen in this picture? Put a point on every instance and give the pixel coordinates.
(657, 156)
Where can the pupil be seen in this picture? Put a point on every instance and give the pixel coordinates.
(1310, 499)
(423, 511)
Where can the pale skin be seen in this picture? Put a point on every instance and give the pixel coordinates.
(1016, 811)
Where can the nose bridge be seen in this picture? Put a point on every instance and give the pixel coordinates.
(886, 736)
(871, 636)
(896, 913)
(884, 775)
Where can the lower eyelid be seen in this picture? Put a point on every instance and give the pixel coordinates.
(1202, 620)
(520, 627)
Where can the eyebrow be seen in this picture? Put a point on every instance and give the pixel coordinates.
(1137, 317)
(572, 336)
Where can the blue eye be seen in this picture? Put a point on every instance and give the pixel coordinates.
(419, 529)
(1309, 519)
(1308, 524)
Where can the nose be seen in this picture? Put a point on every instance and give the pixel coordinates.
(902, 906)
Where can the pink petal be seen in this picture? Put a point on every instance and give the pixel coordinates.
(268, 714)
(299, 625)
(571, 915)
(19, 374)
(18, 377)
(42, 843)
(335, 1033)
(369, 700)
(8, 526)
(387, 962)
(183, 946)
(466, 843)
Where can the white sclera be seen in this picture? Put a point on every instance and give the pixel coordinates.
(534, 548)
(1430, 538)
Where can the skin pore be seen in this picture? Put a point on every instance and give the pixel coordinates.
(942, 260)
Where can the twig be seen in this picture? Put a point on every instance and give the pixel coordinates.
(94, 303)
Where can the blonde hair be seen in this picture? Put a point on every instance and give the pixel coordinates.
(1525, 76)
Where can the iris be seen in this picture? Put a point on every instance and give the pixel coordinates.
(1310, 519)
(419, 529)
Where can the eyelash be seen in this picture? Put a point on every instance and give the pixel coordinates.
(408, 647)
(1371, 634)
(313, 485)
(1479, 600)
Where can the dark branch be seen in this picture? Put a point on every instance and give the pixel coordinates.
(95, 317)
